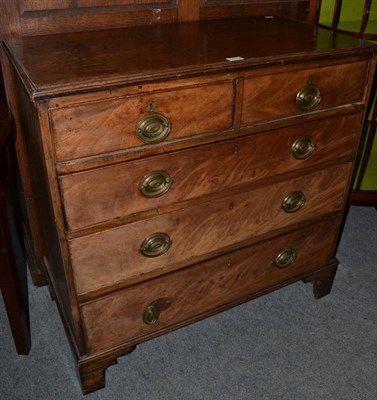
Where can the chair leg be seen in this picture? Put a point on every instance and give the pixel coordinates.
(11, 286)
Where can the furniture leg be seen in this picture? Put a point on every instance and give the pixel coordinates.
(11, 287)
(322, 281)
(91, 372)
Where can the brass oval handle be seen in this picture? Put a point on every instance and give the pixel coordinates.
(151, 314)
(303, 147)
(155, 245)
(293, 202)
(285, 258)
(308, 97)
(155, 184)
(153, 128)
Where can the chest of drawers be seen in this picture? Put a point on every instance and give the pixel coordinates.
(172, 172)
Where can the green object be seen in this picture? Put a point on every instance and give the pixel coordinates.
(350, 19)
(350, 16)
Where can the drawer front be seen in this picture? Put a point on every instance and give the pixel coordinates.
(274, 96)
(190, 293)
(116, 255)
(113, 192)
(110, 125)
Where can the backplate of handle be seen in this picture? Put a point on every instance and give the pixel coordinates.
(293, 201)
(153, 127)
(286, 258)
(303, 147)
(152, 312)
(155, 245)
(155, 184)
(309, 96)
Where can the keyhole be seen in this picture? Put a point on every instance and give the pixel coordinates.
(231, 206)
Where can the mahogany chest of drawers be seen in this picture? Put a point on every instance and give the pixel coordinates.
(175, 171)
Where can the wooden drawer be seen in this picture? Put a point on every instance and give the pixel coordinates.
(113, 192)
(110, 257)
(274, 96)
(197, 290)
(110, 125)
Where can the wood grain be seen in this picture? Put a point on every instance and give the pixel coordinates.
(105, 126)
(274, 96)
(97, 271)
(110, 257)
(113, 192)
(117, 318)
(290, 9)
(104, 19)
(39, 5)
(136, 3)
(111, 58)
(38, 185)
(16, 98)
(9, 19)
(188, 10)
(13, 280)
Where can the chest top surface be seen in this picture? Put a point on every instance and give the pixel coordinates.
(74, 62)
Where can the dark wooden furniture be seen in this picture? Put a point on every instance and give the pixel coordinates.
(33, 17)
(11, 284)
(174, 171)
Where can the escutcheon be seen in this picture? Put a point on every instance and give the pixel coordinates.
(293, 202)
(156, 244)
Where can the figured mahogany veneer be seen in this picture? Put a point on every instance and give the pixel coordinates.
(125, 267)
(90, 198)
(118, 318)
(109, 125)
(109, 257)
(270, 97)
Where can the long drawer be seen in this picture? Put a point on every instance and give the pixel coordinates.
(175, 239)
(112, 124)
(282, 95)
(117, 191)
(170, 300)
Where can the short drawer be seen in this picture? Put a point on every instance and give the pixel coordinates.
(108, 193)
(276, 96)
(175, 299)
(117, 124)
(170, 241)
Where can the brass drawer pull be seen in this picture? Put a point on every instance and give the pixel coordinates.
(152, 313)
(303, 147)
(308, 97)
(154, 127)
(155, 184)
(285, 258)
(293, 202)
(155, 245)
